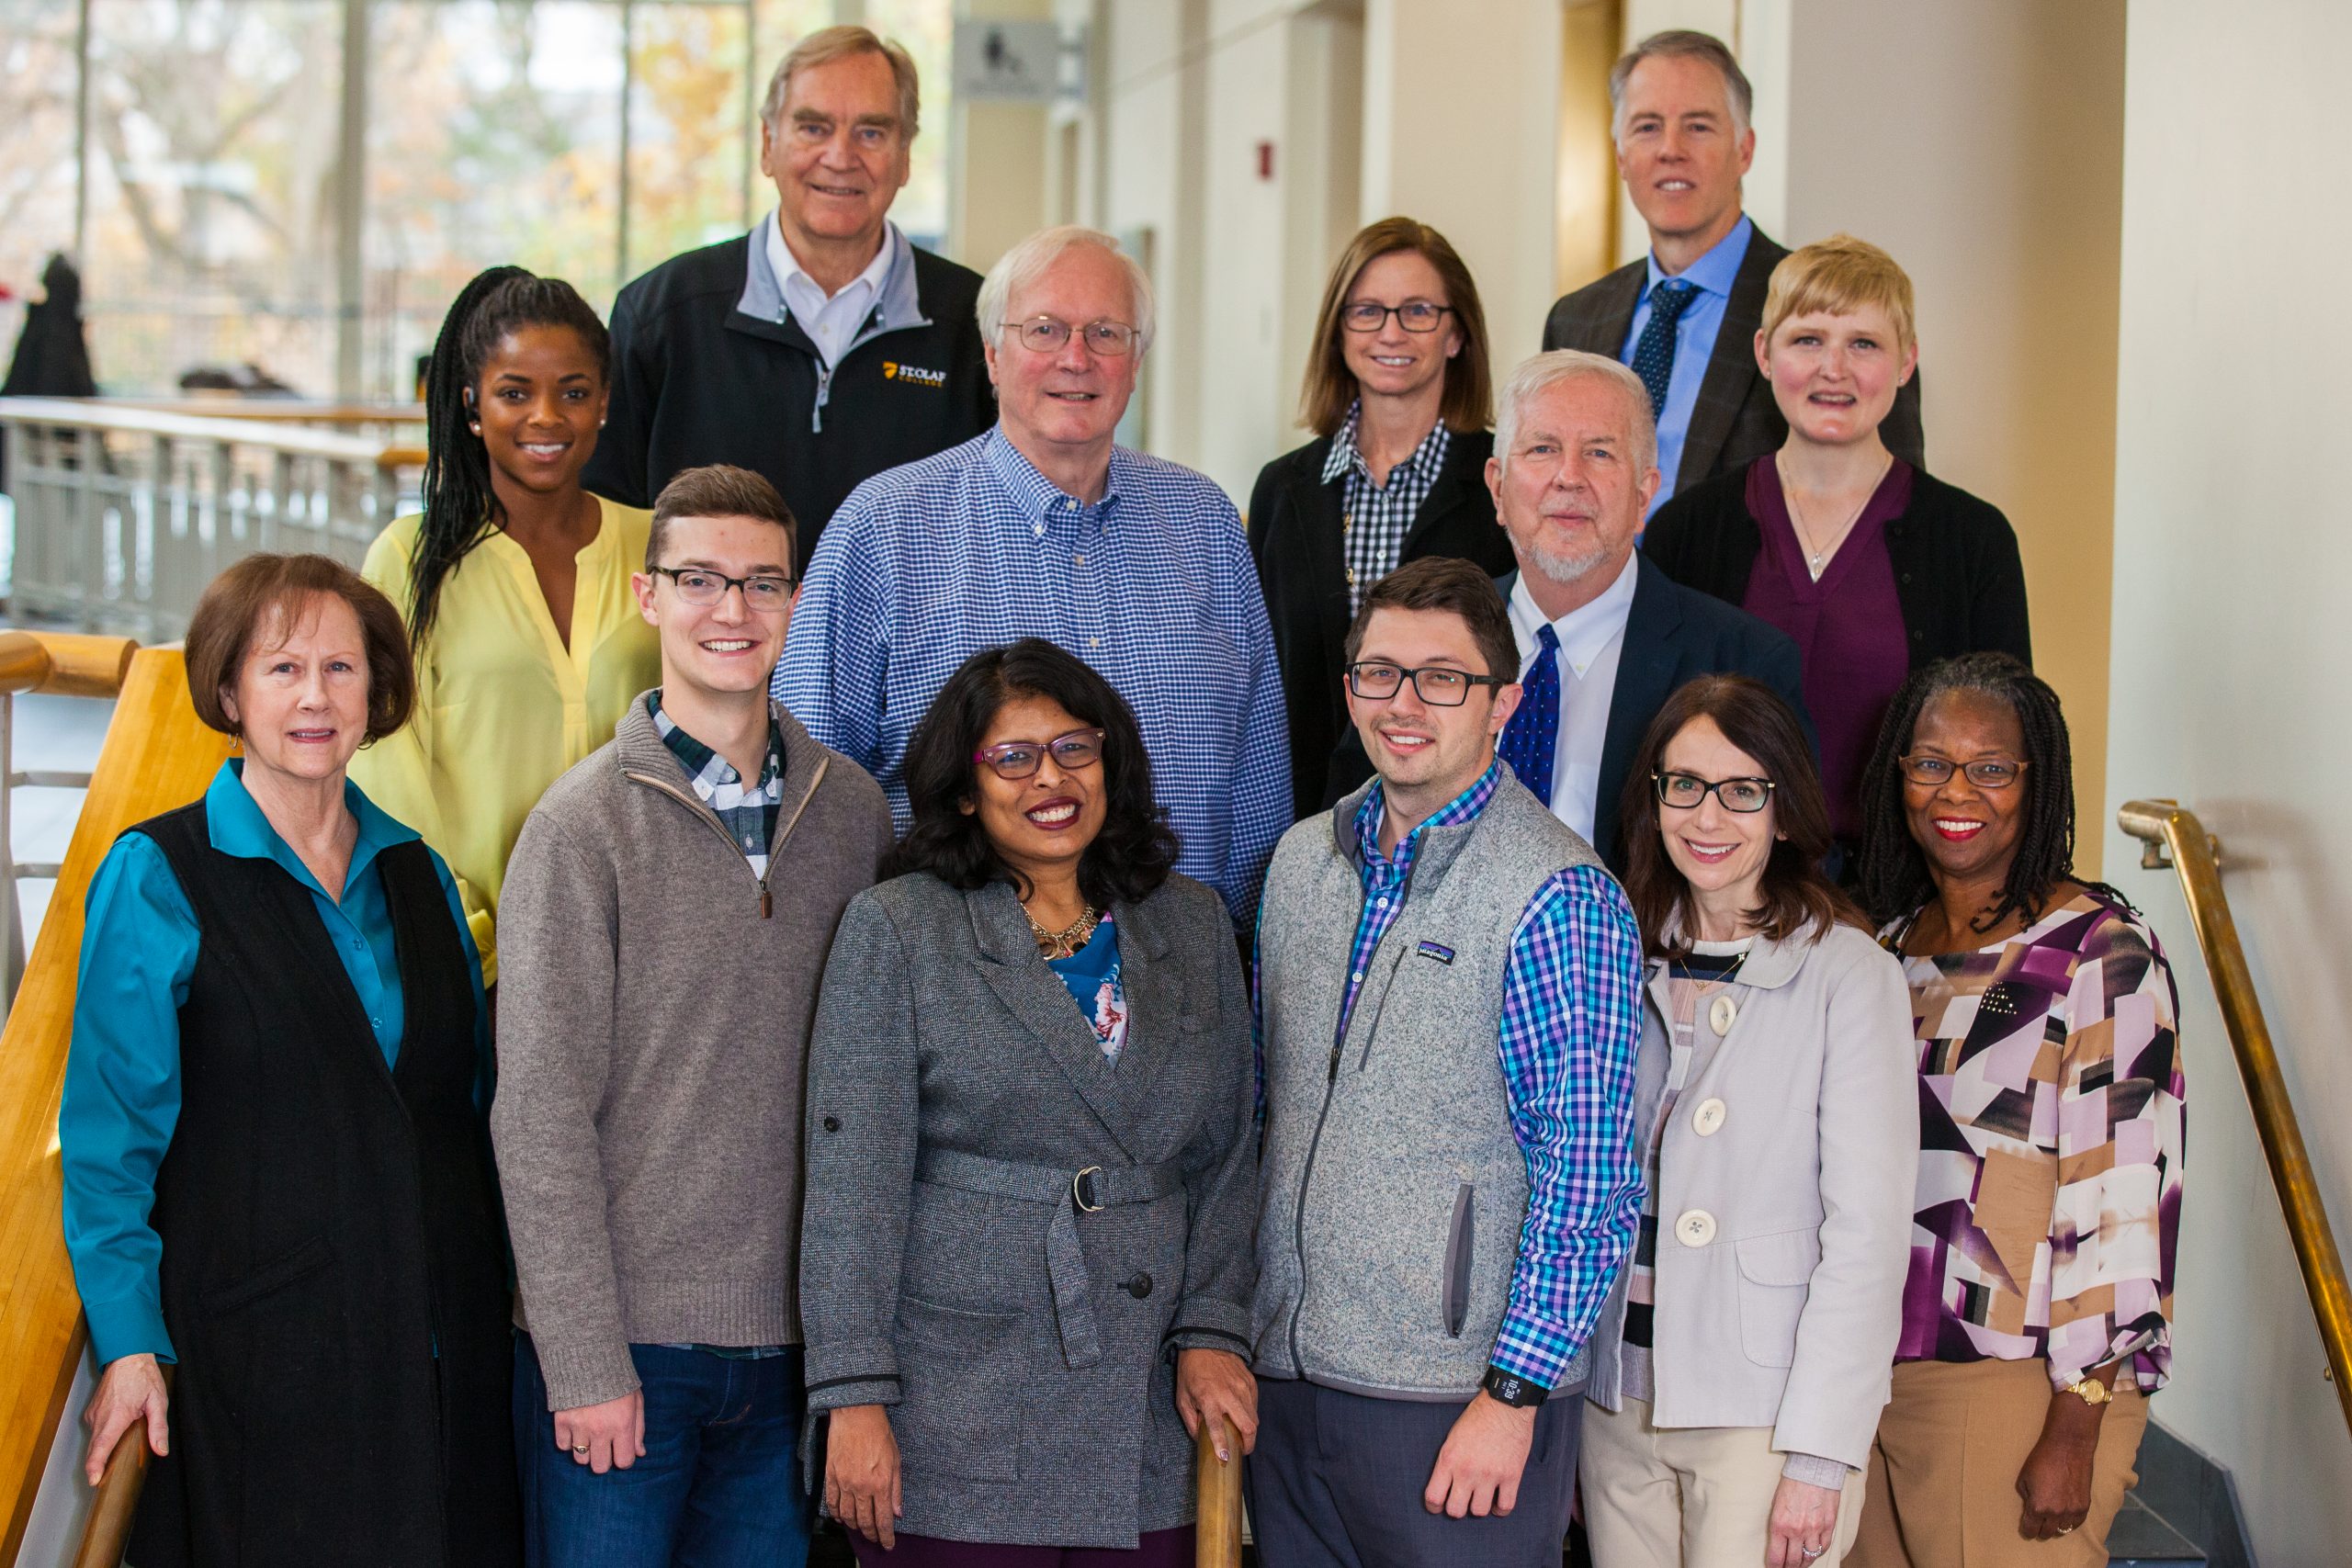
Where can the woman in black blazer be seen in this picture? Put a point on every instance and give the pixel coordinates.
(1874, 569)
(1399, 397)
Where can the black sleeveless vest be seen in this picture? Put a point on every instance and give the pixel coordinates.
(334, 1272)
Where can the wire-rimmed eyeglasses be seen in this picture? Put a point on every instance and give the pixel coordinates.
(1111, 340)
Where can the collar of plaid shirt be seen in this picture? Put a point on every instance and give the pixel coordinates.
(1427, 459)
(705, 769)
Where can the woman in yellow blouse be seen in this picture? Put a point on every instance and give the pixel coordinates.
(514, 581)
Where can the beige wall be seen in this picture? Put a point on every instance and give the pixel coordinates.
(2232, 542)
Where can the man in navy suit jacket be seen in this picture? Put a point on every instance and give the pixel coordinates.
(1575, 465)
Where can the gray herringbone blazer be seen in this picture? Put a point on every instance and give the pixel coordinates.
(1736, 420)
(955, 1091)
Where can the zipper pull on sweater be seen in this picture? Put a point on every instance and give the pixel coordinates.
(767, 906)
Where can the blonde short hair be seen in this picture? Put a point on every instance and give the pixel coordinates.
(1840, 274)
(828, 44)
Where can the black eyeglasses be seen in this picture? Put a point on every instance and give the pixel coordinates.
(703, 588)
(1988, 772)
(1414, 315)
(1440, 686)
(1021, 759)
(1684, 792)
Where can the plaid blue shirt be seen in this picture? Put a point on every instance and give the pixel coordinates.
(926, 565)
(748, 814)
(1571, 1028)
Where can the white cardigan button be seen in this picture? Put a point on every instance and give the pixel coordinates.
(1708, 1118)
(1720, 1014)
(1695, 1228)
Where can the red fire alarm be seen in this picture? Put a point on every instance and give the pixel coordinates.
(1265, 160)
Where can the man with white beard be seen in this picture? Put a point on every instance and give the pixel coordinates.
(1604, 636)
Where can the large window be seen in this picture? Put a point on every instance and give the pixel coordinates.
(203, 184)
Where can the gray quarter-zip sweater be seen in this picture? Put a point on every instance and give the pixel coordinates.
(654, 1003)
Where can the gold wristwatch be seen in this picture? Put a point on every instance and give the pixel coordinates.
(2094, 1392)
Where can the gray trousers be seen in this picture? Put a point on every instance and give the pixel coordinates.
(1336, 1482)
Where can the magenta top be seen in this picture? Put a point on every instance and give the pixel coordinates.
(1847, 626)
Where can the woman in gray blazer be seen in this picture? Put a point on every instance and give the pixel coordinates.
(1739, 1369)
(1027, 1261)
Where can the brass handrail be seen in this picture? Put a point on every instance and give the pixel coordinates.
(2171, 836)
(1216, 1534)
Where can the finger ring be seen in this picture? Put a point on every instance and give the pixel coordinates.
(1813, 1551)
(2068, 1530)
(580, 1447)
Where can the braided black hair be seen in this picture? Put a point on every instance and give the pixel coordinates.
(459, 504)
(1895, 880)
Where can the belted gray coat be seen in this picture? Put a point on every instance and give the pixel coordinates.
(1006, 1237)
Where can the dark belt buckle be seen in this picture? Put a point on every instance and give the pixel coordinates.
(1081, 1190)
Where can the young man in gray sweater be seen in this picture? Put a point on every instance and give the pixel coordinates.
(664, 925)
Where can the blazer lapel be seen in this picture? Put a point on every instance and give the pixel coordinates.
(1615, 296)
(1646, 662)
(1448, 494)
(1036, 996)
(1731, 368)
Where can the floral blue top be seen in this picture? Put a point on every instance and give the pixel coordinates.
(1092, 976)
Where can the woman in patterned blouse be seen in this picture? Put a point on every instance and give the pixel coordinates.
(2037, 1314)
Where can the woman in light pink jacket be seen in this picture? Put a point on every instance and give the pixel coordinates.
(1740, 1370)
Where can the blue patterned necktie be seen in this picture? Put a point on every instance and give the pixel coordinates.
(1532, 738)
(1654, 355)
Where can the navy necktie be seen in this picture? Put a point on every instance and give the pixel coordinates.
(1654, 355)
(1532, 738)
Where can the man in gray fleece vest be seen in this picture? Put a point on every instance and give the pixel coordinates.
(665, 922)
(1449, 987)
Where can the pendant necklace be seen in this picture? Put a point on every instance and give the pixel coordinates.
(1805, 536)
(1065, 942)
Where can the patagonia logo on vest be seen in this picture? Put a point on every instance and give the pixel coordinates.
(914, 375)
(1431, 949)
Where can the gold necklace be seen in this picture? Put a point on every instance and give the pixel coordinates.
(1065, 942)
(1805, 536)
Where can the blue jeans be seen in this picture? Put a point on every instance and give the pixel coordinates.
(719, 1485)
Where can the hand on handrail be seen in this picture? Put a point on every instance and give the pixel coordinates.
(129, 1391)
(1217, 1383)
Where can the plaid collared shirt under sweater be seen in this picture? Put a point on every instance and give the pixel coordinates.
(748, 814)
(1375, 519)
(1571, 1031)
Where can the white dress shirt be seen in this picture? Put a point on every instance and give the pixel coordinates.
(832, 323)
(1591, 637)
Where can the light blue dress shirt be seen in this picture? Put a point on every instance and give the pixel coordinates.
(1694, 342)
(925, 565)
(122, 1077)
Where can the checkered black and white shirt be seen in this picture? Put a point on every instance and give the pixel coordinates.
(748, 814)
(1375, 519)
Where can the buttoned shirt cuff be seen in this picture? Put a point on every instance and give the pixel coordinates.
(579, 1375)
(127, 1325)
(1525, 1350)
(1815, 1470)
(2125, 1347)
(851, 1372)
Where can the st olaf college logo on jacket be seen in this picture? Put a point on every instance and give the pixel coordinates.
(913, 375)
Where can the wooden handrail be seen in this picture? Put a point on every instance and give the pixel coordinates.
(156, 756)
(75, 415)
(1216, 1536)
(2171, 836)
(66, 664)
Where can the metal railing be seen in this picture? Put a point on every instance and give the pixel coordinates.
(123, 513)
(2172, 837)
(62, 665)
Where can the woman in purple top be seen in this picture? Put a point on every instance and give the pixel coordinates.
(1875, 569)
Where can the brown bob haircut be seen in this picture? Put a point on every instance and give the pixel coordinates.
(1330, 388)
(269, 593)
(1441, 582)
(1796, 895)
(717, 491)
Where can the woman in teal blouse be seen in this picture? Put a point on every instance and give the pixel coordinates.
(276, 1167)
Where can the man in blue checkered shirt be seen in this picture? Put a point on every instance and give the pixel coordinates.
(1042, 527)
(1449, 997)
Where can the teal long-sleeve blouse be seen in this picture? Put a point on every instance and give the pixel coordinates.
(122, 1076)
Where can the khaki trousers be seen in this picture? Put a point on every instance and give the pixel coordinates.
(1686, 1497)
(1943, 1477)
